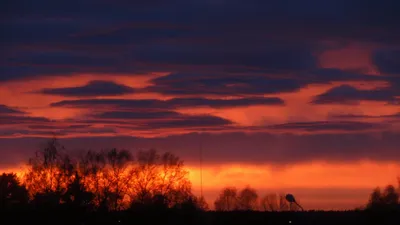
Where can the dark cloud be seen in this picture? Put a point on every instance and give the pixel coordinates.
(251, 84)
(167, 104)
(329, 126)
(13, 119)
(328, 75)
(233, 147)
(107, 103)
(225, 103)
(57, 131)
(346, 94)
(8, 110)
(47, 38)
(93, 88)
(197, 84)
(358, 116)
(185, 121)
(162, 119)
(387, 61)
(272, 57)
(58, 127)
(124, 115)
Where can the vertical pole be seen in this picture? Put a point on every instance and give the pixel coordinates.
(201, 165)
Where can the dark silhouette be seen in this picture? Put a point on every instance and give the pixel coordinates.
(12, 193)
(77, 196)
(274, 203)
(248, 199)
(159, 175)
(227, 200)
(388, 200)
(49, 174)
(290, 198)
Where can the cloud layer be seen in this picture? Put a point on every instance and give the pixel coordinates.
(296, 74)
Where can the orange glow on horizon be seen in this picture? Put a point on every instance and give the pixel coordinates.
(306, 179)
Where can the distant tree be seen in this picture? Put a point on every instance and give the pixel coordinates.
(248, 199)
(390, 196)
(202, 204)
(77, 196)
(117, 174)
(108, 180)
(388, 199)
(375, 199)
(270, 202)
(275, 203)
(50, 172)
(91, 166)
(195, 203)
(227, 200)
(159, 176)
(398, 185)
(12, 193)
(283, 204)
(107, 175)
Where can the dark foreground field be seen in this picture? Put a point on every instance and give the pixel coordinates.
(217, 218)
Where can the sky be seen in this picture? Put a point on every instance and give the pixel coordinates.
(298, 96)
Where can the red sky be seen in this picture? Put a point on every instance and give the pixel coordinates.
(299, 98)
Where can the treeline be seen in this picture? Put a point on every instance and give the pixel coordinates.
(109, 180)
(388, 199)
(247, 199)
(117, 180)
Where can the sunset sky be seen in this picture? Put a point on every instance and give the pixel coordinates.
(299, 96)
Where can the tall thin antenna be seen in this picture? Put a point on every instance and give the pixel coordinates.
(201, 164)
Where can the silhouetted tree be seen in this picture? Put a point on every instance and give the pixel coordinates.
(12, 193)
(375, 199)
(118, 176)
(389, 199)
(77, 196)
(107, 175)
(275, 203)
(50, 173)
(202, 204)
(91, 166)
(159, 175)
(108, 180)
(390, 196)
(270, 202)
(227, 200)
(248, 199)
(283, 204)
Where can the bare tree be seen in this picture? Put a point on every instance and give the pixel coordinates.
(270, 202)
(91, 167)
(106, 174)
(159, 176)
(201, 203)
(248, 199)
(77, 196)
(283, 204)
(387, 199)
(117, 175)
(390, 196)
(109, 180)
(50, 172)
(227, 200)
